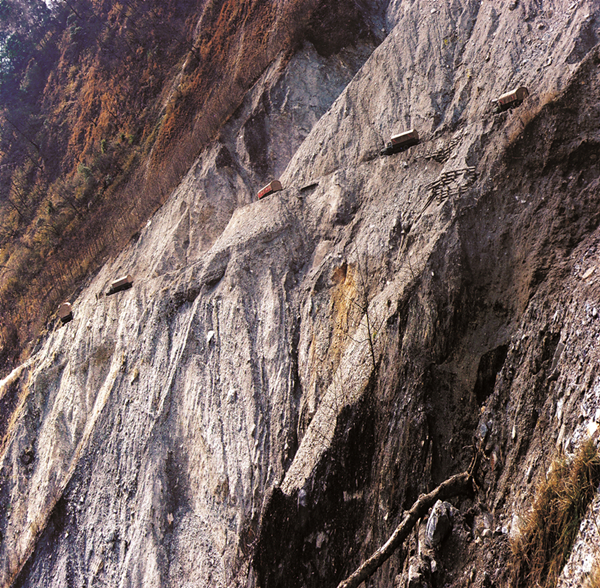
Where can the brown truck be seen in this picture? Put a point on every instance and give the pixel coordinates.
(401, 142)
(65, 312)
(511, 99)
(123, 283)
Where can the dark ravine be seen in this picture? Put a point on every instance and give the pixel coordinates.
(228, 421)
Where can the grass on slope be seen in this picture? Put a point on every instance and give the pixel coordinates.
(544, 544)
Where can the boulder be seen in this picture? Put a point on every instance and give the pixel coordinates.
(439, 523)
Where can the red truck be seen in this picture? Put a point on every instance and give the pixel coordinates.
(271, 187)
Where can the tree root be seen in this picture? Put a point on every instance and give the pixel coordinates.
(458, 484)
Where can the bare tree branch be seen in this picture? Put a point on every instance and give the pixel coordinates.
(458, 484)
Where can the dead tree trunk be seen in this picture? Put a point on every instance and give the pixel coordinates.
(453, 486)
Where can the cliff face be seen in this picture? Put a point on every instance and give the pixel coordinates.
(286, 376)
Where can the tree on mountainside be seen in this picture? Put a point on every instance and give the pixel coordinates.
(23, 25)
(23, 15)
(79, 80)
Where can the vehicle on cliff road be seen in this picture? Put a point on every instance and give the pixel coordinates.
(123, 283)
(274, 186)
(401, 142)
(65, 312)
(511, 99)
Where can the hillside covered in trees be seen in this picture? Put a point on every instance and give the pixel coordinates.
(80, 91)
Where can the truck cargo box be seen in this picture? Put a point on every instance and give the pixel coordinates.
(65, 312)
(120, 284)
(274, 186)
(401, 142)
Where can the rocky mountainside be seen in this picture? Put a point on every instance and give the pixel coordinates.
(287, 376)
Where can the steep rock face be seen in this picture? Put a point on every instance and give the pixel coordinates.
(71, 407)
(286, 376)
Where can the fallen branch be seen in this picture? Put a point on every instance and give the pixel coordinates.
(453, 486)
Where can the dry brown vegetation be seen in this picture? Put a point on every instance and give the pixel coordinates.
(544, 544)
(94, 141)
(593, 581)
(527, 113)
(72, 136)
